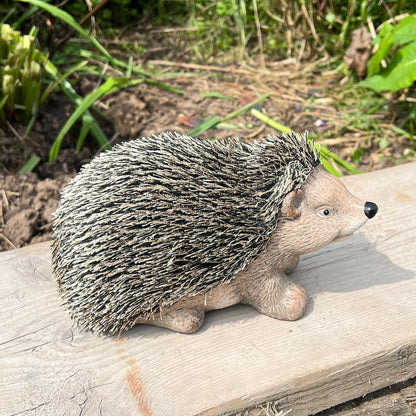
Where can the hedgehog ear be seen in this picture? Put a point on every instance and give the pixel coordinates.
(291, 206)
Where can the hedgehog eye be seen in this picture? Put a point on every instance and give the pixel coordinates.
(324, 212)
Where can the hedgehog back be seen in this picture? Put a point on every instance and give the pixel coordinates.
(160, 219)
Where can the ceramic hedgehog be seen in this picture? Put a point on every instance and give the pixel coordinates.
(162, 229)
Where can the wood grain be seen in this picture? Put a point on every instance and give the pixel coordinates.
(358, 334)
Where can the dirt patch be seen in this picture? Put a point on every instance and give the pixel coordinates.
(27, 204)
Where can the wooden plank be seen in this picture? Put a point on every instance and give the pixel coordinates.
(358, 334)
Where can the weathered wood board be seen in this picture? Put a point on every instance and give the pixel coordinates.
(359, 333)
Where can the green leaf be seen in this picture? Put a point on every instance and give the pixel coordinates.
(69, 20)
(403, 60)
(272, 123)
(110, 86)
(246, 107)
(216, 94)
(399, 74)
(59, 79)
(69, 91)
(384, 47)
(30, 164)
(204, 126)
(87, 121)
(405, 31)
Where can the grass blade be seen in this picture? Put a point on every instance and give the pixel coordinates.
(130, 69)
(214, 120)
(10, 13)
(98, 134)
(69, 91)
(110, 86)
(216, 94)
(119, 65)
(269, 121)
(347, 166)
(3, 101)
(23, 17)
(246, 107)
(330, 168)
(163, 86)
(59, 80)
(204, 126)
(30, 164)
(85, 128)
(69, 20)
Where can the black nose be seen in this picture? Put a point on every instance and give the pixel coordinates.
(370, 209)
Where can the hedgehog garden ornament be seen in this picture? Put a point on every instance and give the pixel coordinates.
(162, 229)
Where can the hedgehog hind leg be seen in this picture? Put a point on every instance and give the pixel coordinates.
(184, 320)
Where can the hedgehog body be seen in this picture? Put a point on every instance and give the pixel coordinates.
(165, 218)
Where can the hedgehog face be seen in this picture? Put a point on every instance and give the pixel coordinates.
(322, 211)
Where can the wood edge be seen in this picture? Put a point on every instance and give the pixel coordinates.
(320, 391)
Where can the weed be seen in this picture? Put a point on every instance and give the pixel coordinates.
(21, 75)
(398, 45)
(392, 68)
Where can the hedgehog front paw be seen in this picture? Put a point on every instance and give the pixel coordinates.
(292, 305)
(280, 298)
